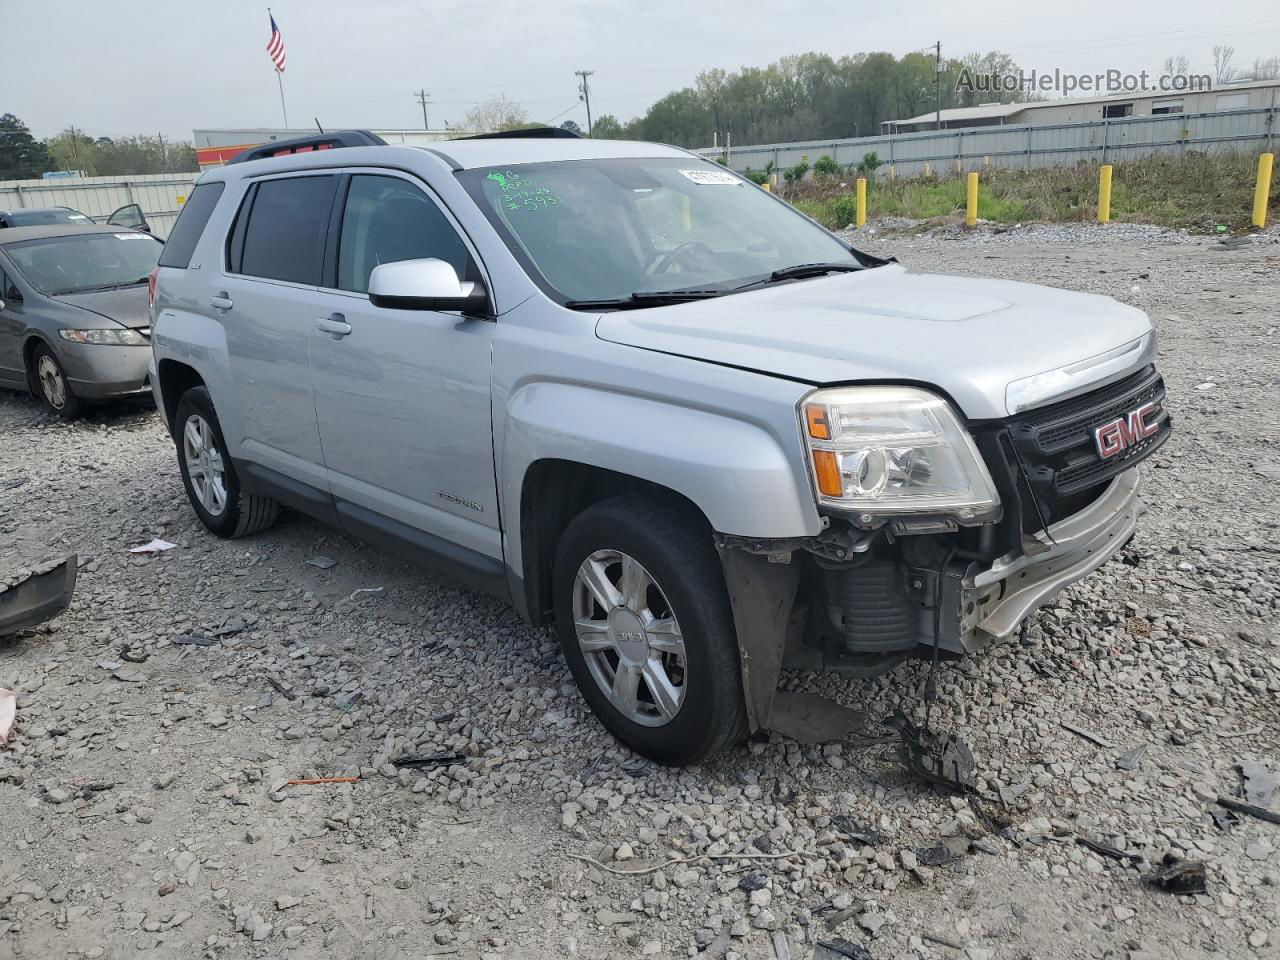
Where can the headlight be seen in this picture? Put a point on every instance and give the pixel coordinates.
(880, 451)
(121, 337)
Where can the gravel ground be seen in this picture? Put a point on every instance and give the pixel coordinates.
(146, 810)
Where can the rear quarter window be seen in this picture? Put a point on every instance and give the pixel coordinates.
(190, 225)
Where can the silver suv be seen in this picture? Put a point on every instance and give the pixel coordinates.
(637, 396)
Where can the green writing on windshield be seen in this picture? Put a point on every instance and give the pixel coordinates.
(522, 193)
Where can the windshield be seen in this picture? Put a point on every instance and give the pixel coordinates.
(90, 261)
(39, 218)
(608, 229)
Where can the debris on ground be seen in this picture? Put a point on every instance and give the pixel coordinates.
(1260, 782)
(37, 594)
(367, 592)
(1252, 809)
(155, 546)
(1178, 876)
(945, 761)
(1107, 850)
(315, 781)
(324, 563)
(8, 712)
(189, 640)
(1131, 759)
(423, 761)
(838, 948)
(1086, 733)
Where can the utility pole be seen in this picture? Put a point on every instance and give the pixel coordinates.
(422, 97)
(584, 93)
(937, 85)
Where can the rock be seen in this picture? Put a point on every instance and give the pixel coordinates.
(57, 795)
(624, 852)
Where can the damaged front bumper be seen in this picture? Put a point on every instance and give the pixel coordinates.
(1016, 584)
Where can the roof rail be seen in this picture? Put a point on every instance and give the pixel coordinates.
(319, 141)
(528, 133)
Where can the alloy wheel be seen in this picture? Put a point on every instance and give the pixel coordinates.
(629, 638)
(204, 465)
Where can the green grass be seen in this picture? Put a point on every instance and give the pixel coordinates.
(1196, 191)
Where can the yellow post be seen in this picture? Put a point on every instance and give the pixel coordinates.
(971, 201)
(891, 172)
(684, 214)
(1104, 193)
(1262, 191)
(926, 169)
(767, 188)
(860, 214)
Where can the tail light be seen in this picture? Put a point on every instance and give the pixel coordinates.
(151, 287)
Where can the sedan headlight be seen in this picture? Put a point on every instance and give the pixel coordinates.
(119, 337)
(888, 451)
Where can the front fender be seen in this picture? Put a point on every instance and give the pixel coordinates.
(734, 471)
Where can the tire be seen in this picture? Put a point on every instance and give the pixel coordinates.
(50, 384)
(697, 656)
(216, 497)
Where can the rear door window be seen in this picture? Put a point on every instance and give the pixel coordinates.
(387, 219)
(190, 224)
(285, 232)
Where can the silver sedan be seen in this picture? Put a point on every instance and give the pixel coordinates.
(74, 318)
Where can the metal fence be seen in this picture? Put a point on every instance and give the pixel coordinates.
(160, 195)
(1033, 145)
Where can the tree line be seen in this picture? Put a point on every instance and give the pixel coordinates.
(811, 96)
(23, 157)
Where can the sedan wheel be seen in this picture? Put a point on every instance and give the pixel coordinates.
(204, 465)
(630, 639)
(52, 383)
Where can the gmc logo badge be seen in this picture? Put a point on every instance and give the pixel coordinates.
(1124, 432)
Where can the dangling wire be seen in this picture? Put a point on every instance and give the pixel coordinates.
(930, 681)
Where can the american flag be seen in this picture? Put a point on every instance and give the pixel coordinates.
(275, 46)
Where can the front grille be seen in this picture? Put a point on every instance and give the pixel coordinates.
(1060, 467)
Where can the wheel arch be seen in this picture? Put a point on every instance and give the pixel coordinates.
(176, 378)
(553, 492)
(34, 338)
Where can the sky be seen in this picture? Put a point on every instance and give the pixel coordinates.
(147, 66)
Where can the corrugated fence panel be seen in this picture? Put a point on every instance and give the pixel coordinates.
(160, 195)
(1032, 145)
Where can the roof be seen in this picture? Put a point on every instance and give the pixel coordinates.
(994, 110)
(459, 154)
(469, 154)
(45, 231)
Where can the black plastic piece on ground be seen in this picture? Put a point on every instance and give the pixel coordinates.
(39, 597)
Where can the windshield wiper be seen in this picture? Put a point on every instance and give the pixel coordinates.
(641, 299)
(802, 270)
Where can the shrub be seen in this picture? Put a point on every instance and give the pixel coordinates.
(845, 209)
(824, 166)
(867, 165)
(756, 176)
(792, 174)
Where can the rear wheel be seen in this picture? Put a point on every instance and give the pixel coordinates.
(209, 474)
(52, 386)
(645, 624)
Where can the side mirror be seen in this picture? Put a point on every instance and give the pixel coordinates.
(428, 284)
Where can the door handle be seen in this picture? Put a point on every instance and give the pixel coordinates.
(335, 325)
(221, 302)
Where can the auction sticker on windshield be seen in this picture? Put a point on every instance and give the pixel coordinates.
(711, 177)
(132, 236)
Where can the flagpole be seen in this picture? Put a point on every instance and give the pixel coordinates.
(283, 109)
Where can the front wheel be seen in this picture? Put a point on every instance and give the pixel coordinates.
(52, 385)
(209, 475)
(645, 624)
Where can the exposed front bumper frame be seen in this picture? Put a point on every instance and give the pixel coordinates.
(1016, 584)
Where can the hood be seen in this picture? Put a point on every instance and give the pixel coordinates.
(967, 336)
(126, 306)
